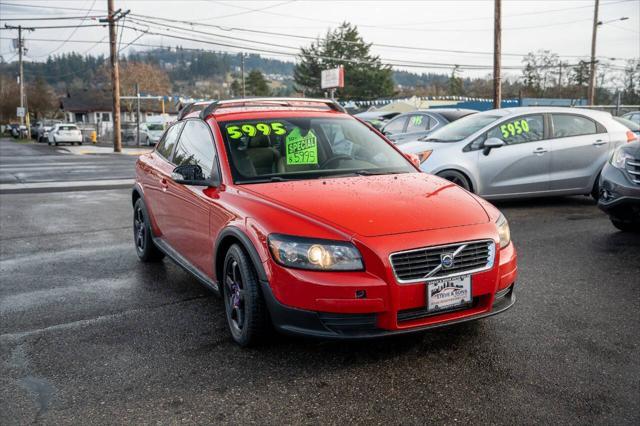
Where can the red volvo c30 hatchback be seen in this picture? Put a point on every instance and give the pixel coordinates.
(305, 218)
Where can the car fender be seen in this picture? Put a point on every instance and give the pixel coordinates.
(233, 232)
(138, 192)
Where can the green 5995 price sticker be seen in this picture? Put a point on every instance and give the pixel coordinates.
(513, 128)
(237, 131)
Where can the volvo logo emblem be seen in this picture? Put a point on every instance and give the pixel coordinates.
(446, 260)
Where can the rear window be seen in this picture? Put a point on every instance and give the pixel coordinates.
(68, 128)
(566, 125)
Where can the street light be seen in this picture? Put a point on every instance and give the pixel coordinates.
(624, 18)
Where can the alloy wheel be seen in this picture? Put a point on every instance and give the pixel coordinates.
(234, 296)
(139, 229)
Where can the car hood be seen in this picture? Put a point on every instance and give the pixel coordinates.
(377, 205)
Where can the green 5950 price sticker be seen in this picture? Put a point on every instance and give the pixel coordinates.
(237, 131)
(513, 128)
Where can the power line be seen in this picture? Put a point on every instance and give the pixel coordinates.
(153, 19)
(53, 18)
(249, 10)
(65, 26)
(72, 32)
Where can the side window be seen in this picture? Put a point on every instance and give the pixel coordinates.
(396, 125)
(196, 147)
(565, 125)
(418, 123)
(165, 146)
(528, 128)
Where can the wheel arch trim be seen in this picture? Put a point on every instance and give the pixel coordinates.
(225, 238)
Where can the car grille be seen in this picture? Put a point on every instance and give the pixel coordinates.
(425, 264)
(633, 168)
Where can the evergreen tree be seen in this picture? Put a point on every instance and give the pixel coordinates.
(365, 77)
(455, 83)
(256, 85)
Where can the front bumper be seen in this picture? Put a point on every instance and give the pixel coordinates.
(619, 197)
(295, 321)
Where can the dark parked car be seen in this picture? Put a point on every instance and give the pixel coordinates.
(377, 118)
(414, 125)
(620, 188)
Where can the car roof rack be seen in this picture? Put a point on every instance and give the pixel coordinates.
(269, 102)
(191, 107)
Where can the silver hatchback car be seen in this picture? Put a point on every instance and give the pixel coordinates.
(523, 152)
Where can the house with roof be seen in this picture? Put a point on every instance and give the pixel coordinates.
(91, 106)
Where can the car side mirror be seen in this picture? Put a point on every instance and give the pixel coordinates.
(191, 174)
(491, 143)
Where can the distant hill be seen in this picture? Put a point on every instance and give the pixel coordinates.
(181, 65)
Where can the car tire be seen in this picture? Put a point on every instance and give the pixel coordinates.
(625, 226)
(456, 177)
(145, 248)
(245, 308)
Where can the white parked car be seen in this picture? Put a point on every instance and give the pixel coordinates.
(65, 133)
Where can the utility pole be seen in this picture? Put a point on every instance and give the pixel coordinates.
(20, 28)
(497, 47)
(112, 18)
(138, 115)
(592, 69)
(242, 71)
(560, 74)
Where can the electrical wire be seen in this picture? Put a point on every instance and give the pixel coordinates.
(70, 35)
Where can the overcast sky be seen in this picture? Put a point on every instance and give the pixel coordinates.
(563, 27)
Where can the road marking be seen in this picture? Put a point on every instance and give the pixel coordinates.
(90, 184)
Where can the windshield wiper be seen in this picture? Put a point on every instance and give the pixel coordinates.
(265, 179)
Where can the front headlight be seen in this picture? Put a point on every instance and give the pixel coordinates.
(619, 158)
(503, 231)
(315, 254)
(422, 156)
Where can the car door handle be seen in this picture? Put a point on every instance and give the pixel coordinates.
(599, 142)
(539, 151)
(164, 184)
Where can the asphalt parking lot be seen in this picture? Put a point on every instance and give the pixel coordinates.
(90, 335)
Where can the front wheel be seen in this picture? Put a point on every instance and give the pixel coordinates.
(456, 177)
(244, 305)
(145, 248)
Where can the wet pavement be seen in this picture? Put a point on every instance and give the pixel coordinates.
(38, 162)
(89, 335)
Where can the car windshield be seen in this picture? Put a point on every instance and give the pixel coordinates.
(462, 128)
(291, 148)
(155, 127)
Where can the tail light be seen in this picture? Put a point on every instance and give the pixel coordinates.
(631, 137)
